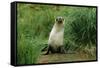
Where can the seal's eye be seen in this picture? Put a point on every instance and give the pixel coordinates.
(62, 19)
(56, 19)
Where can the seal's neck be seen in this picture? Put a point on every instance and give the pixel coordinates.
(58, 26)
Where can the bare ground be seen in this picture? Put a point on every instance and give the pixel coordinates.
(53, 58)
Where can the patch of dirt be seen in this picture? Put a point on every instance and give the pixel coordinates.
(54, 58)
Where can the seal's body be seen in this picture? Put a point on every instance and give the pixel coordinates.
(55, 42)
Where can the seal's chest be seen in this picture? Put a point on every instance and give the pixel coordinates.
(56, 38)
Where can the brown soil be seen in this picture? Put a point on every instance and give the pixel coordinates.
(54, 58)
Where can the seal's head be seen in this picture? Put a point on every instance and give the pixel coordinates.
(59, 20)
